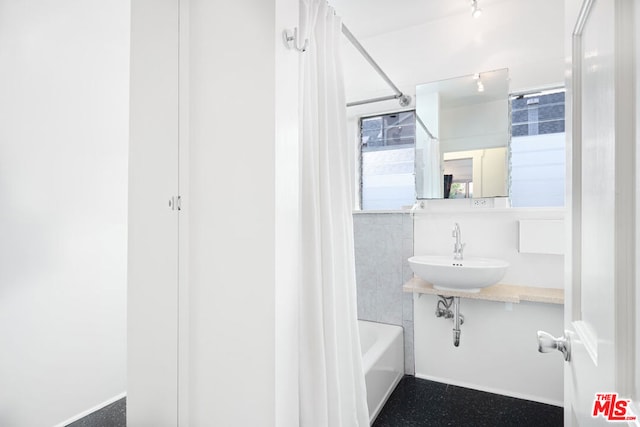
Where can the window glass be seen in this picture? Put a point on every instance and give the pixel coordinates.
(537, 155)
(387, 152)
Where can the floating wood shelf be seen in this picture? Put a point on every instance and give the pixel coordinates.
(500, 292)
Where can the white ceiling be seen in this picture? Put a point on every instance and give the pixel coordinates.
(419, 41)
(367, 18)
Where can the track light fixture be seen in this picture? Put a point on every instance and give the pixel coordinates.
(475, 9)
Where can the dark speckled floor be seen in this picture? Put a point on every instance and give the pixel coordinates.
(416, 402)
(114, 415)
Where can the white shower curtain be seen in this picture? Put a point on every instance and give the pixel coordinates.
(331, 382)
(434, 180)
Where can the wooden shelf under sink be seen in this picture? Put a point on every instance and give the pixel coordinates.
(500, 292)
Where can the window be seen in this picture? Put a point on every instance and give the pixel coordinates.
(387, 152)
(537, 163)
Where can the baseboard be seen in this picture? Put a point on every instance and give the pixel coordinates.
(492, 390)
(92, 410)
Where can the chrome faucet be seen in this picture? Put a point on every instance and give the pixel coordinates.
(459, 246)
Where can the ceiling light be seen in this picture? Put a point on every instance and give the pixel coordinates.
(475, 10)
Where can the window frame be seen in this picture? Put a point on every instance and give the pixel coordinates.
(360, 152)
(547, 90)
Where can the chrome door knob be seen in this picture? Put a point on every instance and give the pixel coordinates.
(548, 343)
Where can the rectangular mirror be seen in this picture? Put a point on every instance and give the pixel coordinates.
(462, 136)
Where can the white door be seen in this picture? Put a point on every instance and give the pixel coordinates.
(152, 323)
(599, 308)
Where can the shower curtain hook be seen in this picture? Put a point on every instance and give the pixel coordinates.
(291, 40)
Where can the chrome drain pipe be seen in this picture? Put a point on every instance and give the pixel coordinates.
(449, 308)
(456, 321)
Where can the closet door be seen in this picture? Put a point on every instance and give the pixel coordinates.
(152, 389)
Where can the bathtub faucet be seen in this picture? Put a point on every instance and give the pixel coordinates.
(459, 246)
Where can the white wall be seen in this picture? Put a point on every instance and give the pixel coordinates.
(231, 166)
(63, 180)
(489, 233)
(523, 36)
(528, 39)
(242, 209)
(485, 125)
(637, 237)
(498, 347)
(287, 220)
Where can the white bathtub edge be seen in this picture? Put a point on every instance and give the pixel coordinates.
(382, 362)
(375, 413)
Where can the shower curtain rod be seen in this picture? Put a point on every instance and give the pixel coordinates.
(404, 100)
(423, 126)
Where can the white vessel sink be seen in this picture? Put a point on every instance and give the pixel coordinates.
(467, 275)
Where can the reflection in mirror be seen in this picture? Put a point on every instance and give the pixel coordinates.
(387, 148)
(462, 136)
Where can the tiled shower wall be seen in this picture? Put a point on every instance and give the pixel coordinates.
(383, 243)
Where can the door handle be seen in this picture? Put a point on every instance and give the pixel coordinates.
(548, 343)
(175, 203)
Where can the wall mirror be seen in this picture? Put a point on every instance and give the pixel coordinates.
(462, 136)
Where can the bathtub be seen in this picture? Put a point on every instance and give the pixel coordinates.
(382, 361)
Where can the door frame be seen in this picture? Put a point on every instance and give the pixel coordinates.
(625, 207)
